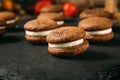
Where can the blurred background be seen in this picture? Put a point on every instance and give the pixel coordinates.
(33, 6)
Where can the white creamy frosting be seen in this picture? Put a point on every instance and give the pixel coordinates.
(10, 21)
(102, 32)
(40, 33)
(60, 22)
(2, 27)
(69, 44)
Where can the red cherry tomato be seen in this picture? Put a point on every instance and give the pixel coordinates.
(70, 9)
(40, 4)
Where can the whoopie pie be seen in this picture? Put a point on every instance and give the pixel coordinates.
(67, 41)
(9, 17)
(98, 29)
(55, 16)
(52, 8)
(95, 13)
(2, 27)
(37, 30)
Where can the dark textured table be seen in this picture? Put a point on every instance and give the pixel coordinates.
(35, 61)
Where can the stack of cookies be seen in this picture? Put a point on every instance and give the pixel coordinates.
(95, 26)
(7, 21)
(2, 27)
(67, 41)
(63, 41)
(9, 17)
(50, 18)
(50, 27)
(98, 29)
(37, 30)
(54, 16)
(98, 25)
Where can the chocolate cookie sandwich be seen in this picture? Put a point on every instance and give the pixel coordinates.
(98, 29)
(2, 27)
(37, 30)
(52, 8)
(55, 16)
(95, 13)
(67, 41)
(10, 18)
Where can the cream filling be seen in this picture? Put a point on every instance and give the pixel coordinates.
(60, 22)
(10, 21)
(102, 32)
(69, 44)
(2, 27)
(40, 33)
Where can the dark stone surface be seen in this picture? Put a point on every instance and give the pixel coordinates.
(34, 60)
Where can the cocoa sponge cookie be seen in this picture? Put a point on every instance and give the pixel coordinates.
(98, 29)
(2, 27)
(55, 16)
(95, 13)
(52, 8)
(67, 41)
(37, 30)
(9, 17)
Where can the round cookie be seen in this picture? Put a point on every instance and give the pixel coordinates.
(10, 18)
(67, 41)
(95, 13)
(98, 29)
(2, 27)
(55, 16)
(52, 8)
(37, 30)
